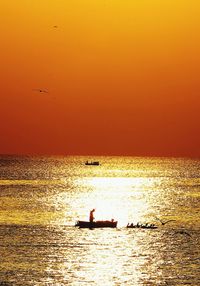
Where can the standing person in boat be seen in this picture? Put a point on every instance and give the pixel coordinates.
(91, 215)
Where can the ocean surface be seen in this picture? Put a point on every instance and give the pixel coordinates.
(41, 198)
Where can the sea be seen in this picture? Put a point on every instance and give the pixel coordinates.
(41, 198)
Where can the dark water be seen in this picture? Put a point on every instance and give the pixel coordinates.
(41, 198)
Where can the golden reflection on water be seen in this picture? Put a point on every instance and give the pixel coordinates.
(120, 198)
(60, 254)
(28, 182)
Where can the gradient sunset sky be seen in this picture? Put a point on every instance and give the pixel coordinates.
(122, 77)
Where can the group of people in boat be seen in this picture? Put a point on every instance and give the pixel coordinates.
(140, 225)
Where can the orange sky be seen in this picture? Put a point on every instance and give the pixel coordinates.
(122, 76)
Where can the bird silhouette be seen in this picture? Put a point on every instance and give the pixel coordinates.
(40, 90)
(164, 222)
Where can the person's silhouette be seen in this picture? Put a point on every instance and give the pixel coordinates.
(91, 215)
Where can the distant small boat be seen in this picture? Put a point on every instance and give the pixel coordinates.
(96, 224)
(146, 226)
(93, 163)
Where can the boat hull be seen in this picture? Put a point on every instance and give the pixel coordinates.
(96, 224)
(96, 163)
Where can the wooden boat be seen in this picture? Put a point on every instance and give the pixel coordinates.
(92, 163)
(96, 224)
(146, 226)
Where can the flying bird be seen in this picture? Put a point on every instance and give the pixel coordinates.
(40, 90)
(164, 222)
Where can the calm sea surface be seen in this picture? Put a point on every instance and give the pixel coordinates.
(42, 197)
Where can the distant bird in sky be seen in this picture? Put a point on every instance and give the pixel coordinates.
(40, 90)
(164, 222)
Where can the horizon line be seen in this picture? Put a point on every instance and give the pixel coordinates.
(98, 155)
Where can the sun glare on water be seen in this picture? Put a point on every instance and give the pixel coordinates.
(113, 198)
